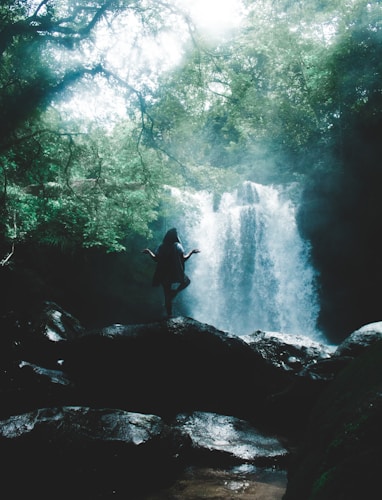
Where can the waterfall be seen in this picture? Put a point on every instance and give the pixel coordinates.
(253, 272)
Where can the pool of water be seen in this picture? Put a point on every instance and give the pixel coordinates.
(244, 482)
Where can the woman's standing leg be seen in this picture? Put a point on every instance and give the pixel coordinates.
(168, 296)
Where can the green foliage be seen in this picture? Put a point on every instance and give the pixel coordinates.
(260, 106)
(64, 183)
(81, 190)
(247, 104)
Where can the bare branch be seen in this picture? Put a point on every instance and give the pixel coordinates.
(39, 7)
(7, 259)
(45, 25)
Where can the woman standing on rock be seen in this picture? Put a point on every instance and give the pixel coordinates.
(170, 258)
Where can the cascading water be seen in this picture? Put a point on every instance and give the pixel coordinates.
(253, 272)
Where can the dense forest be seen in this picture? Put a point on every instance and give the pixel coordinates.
(99, 115)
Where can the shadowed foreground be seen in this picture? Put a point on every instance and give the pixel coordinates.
(180, 410)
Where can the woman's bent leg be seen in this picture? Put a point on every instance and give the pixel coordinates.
(184, 284)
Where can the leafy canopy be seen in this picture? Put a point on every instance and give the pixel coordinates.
(269, 103)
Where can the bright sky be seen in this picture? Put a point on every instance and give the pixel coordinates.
(214, 16)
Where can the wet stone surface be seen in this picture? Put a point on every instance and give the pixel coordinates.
(231, 437)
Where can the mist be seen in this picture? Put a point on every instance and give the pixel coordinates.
(254, 271)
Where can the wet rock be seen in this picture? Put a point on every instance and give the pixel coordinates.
(56, 324)
(80, 452)
(359, 340)
(226, 439)
(25, 386)
(93, 414)
(285, 351)
(324, 370)
(172, 366)
(44, 341)
(53, 376)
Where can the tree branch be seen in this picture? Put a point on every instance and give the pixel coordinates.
(70, 27)
(7, 259)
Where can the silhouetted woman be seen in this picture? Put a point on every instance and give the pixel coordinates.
(170, 269)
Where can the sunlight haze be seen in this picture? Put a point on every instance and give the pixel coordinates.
(215, 16)
(139, 59)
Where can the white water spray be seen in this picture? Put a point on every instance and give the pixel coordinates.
(253, 272)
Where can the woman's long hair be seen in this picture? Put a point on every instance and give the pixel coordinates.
(171, 237)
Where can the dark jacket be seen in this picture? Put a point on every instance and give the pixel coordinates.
(170, 260)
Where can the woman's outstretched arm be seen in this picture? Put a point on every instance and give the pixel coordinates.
(150, 252)
(188, 255)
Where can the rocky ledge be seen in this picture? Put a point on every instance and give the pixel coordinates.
(121, 411)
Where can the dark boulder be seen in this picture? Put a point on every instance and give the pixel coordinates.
(341, 453)
(56, 324)
(26, 386)
(169, 367)
(359, 340)
(286, 351)
(307, 368)
(77, 452)
(173, 366)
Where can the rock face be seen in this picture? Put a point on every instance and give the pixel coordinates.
(95, 414)
(341, 453)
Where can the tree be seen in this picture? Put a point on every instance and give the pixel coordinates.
(341, 206)
(247, 103)
(49, 191)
